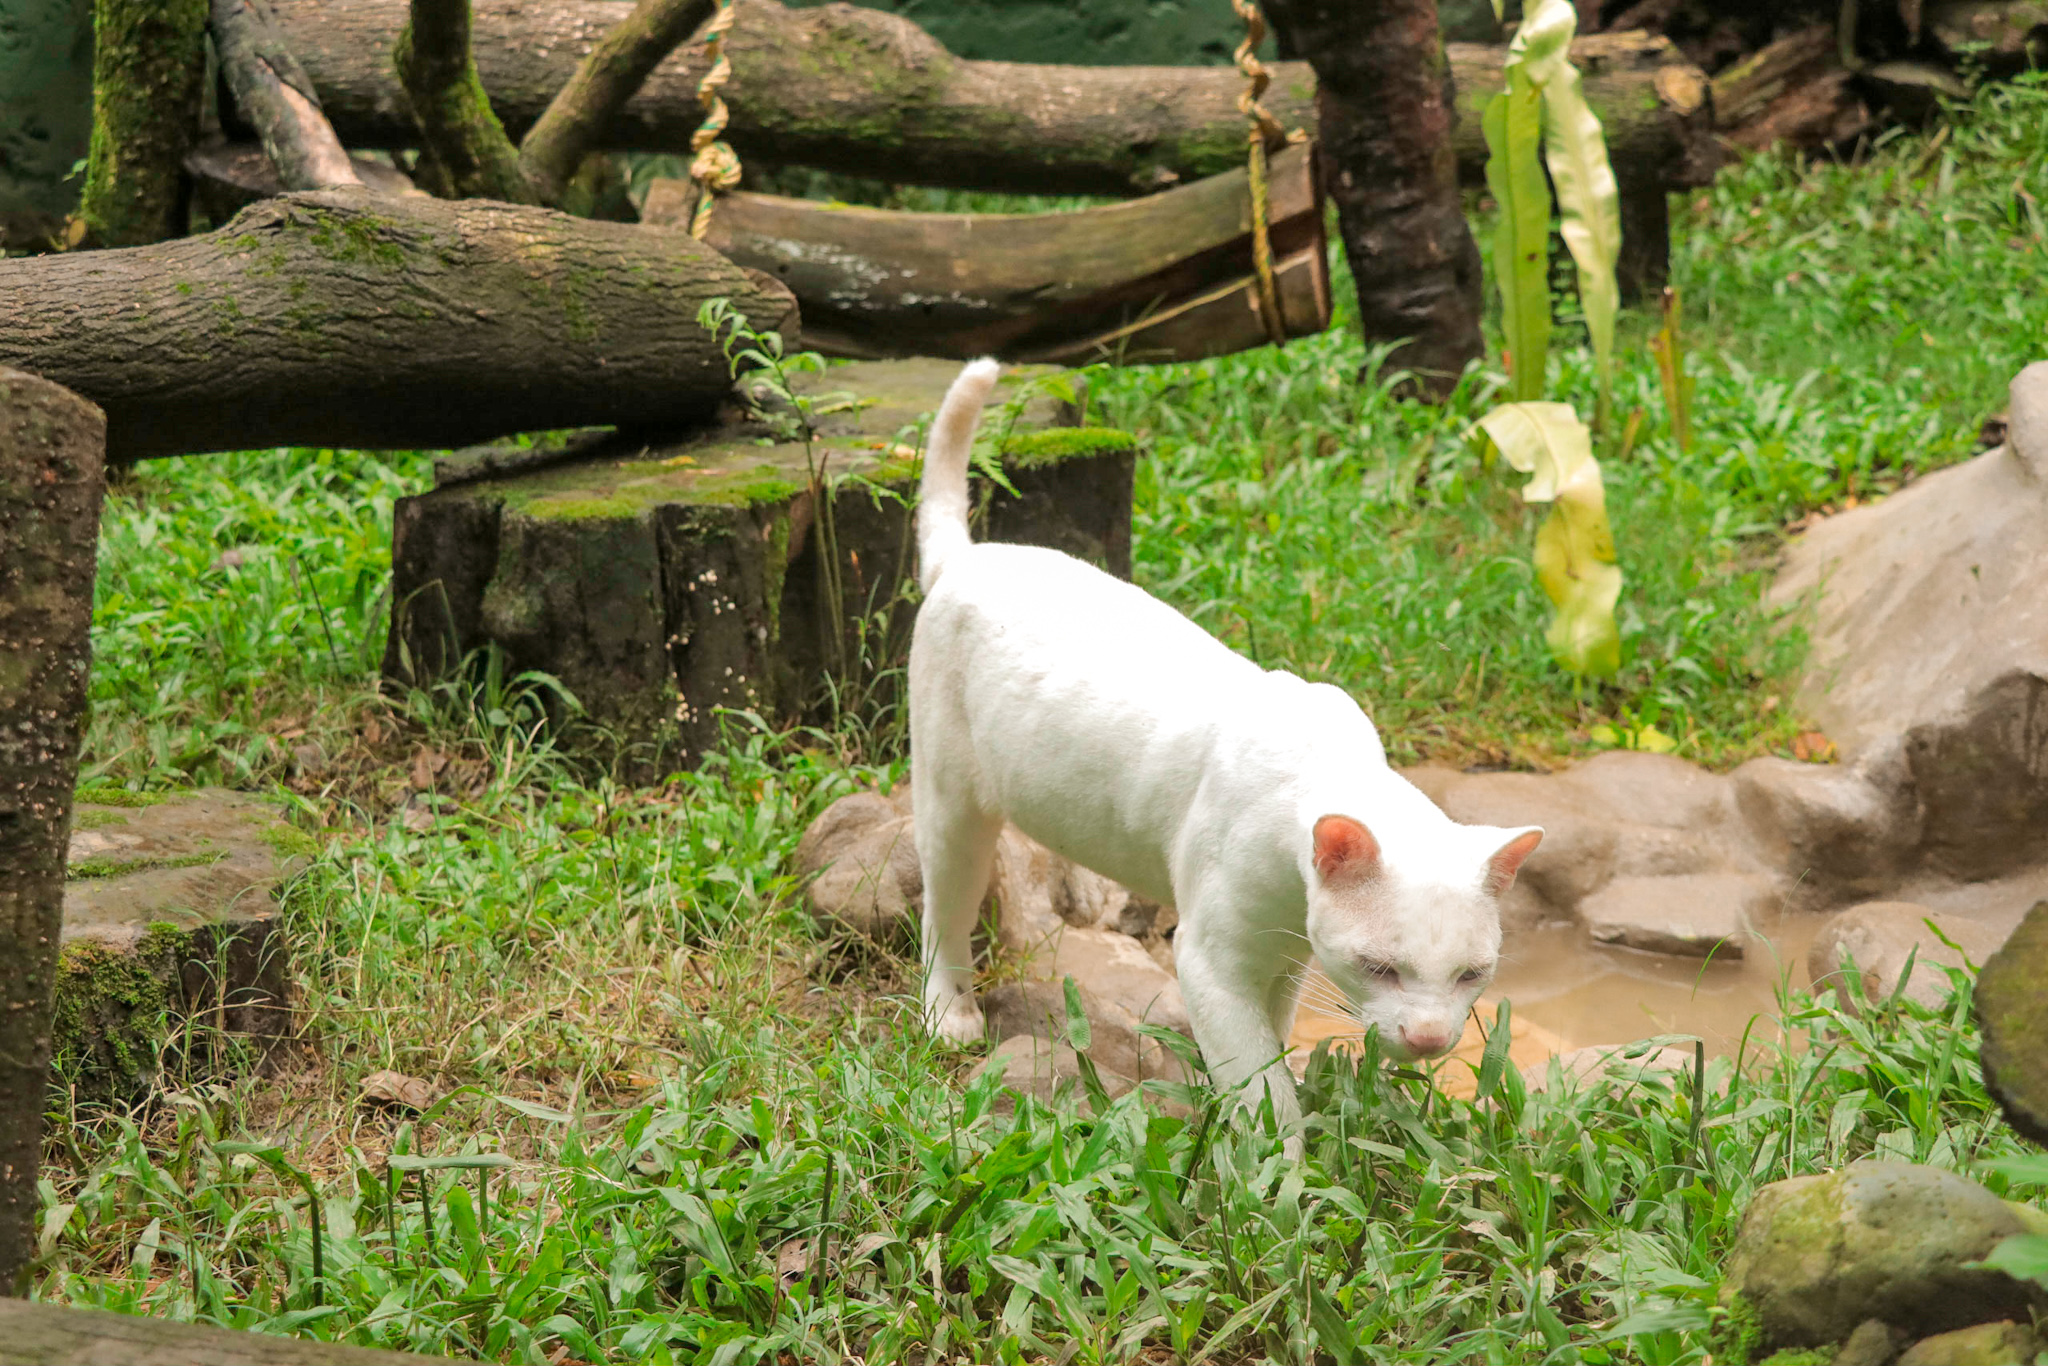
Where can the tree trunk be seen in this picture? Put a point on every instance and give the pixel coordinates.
(149, 64)
(1384, 113)
(51, 444)
(338, 318)
(45, 116)
(457, 125)
(870, 93)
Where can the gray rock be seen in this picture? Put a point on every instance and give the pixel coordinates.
(1697, 914)
(2012, 1015)
(862, 851)
(1836, 832)
(1817, 1255)
(1922, 600)
(1045, 1070)
(1874, 1343)
(169, 916)
(1879, 935)
(1980, 770)
(2027, 419)
(2004, 1343)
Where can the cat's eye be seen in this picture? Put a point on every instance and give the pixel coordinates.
(1385, 972)
(1469, 976)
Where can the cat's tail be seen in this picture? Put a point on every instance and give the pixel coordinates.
(942, 496)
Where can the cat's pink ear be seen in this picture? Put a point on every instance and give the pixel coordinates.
(1345, 851)
(1508, 860)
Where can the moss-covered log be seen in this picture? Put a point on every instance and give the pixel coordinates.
(661, 582)
(867, 92)
(338, 318)
(149, 64)
(51, 445)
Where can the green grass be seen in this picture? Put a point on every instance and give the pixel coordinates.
(681, 1079)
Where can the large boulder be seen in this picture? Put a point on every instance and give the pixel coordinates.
(2012, 1013)
(1878, 937)
(861, 856)
(1818, 1255)
(1985, 1344)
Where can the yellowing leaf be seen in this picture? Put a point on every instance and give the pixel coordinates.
(1574, 547)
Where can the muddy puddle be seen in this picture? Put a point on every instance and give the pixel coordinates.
(1569, 992)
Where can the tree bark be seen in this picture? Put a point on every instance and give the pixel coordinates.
(273, 93)
(149, 64)
(338, 318)
(51, 446)
(868, 92)
(452, 109)
(1384, 115)
(556, 145)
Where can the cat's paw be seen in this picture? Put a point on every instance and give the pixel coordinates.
(958, 1022)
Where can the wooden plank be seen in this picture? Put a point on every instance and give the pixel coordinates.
(57, 1335)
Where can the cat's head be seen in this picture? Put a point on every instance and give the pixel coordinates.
(1412, 941)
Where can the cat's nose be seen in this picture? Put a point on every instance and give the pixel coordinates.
(1425, 1043)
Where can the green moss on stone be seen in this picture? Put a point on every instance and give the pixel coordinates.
(1030, 450)
(569, 507)
(744, 488)
(92, 819)
(106, 794)
(1735, 1334)
(93, 868)
(1800, 1356)
(110, 1010)
(288, 841)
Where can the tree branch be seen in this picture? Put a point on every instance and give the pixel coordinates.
(452, 110)
(275, 95)
(607, 78)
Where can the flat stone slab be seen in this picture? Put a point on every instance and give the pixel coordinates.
(57, 1335)
(1697, 914)
(169, 915)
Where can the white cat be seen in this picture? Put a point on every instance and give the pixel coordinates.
(1118, 733)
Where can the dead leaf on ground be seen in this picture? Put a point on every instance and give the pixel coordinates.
(417, 819)
(426, 766)
(793, 1260)
(1812, 747)
(396, 1088)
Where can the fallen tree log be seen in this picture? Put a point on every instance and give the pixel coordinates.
(1167, 277)
(870, 93)
(342, 318)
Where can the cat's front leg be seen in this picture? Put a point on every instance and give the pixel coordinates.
(1230, 995)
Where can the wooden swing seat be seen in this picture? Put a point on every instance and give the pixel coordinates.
(1165, 278)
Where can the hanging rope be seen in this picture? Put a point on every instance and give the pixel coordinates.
(1263, 128)
(713, 163)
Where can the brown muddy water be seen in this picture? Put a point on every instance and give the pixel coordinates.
(1568, 992)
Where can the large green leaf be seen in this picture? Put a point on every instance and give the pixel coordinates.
(1521, 235)
(1574, 547)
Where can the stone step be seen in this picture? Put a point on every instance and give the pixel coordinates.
(170, 918)
(662, 580)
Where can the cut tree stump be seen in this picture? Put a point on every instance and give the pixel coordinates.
(56, 1335)
(344, 318)
(1165, 278)
(170, 922)
(661, 582)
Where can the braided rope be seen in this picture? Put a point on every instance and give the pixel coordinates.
(1262, 129)
(713, 163)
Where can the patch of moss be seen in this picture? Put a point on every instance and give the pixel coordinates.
(96, 820)
(586, 507)
(1028, 450)
(106, 794)
(110, 1010)
(744, 488)
(288, 841)
(355, 239)
(1800, 1356)
(95, 868)
(1736, 1332)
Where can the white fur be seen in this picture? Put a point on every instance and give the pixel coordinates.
(1116, 732)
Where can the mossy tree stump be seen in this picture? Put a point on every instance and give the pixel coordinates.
(660, 582)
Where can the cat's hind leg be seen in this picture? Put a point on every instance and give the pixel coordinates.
(956, 848)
